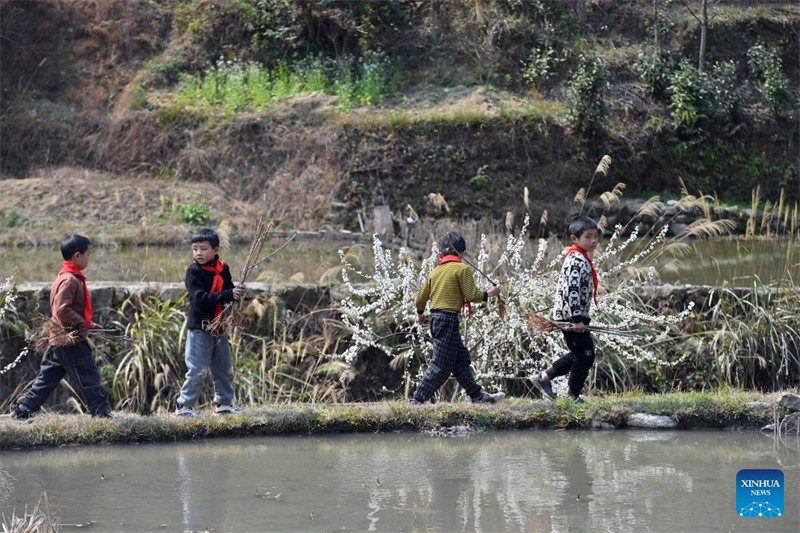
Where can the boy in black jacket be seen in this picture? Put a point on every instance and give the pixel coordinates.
(209, 283)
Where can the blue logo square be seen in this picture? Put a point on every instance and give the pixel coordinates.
(759, 493)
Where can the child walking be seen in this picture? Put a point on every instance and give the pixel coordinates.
(68, 351)
(577, 286)
(208, 280)
(450, 284)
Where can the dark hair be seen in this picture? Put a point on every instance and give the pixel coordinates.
(206, 234)
(452, 242)
(73, 244)
(581, 224)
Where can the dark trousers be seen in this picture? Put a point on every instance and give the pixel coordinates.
(76, 361)
(576, 363)
(450, 356)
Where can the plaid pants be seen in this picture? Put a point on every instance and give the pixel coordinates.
(450, 356)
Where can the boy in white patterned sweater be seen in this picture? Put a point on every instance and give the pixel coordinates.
(576, 288)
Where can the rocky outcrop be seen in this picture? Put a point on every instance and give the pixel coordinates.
(648, 421)
(790, 402)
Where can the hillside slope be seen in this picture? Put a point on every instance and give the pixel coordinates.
(474, 100)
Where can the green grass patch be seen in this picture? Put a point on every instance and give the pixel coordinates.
(690, 410)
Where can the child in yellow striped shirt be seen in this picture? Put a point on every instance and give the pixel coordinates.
(450, 285)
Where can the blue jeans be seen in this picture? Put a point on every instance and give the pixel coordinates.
(206, 353)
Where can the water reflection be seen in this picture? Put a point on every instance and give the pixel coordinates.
(623, 481)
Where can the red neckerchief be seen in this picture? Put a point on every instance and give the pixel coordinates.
(216, 285)
(68, 267)
(577, 249)
(456, 259)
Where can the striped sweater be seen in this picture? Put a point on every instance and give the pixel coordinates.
(447, 286)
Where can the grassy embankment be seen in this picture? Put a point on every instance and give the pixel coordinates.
(690, 410)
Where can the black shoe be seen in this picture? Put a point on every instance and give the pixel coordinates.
(20, 412)
(544, 386)
(107, 414)
(578, 399)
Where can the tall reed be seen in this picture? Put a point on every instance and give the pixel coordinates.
(150, 370)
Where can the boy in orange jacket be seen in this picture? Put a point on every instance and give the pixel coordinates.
(69, 352)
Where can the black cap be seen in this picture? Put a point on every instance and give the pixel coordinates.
(452, 243)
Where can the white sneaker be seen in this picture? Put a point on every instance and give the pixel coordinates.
(490, 398)
(185, 411)
(226, 410)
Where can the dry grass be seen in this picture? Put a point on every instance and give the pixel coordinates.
(40, 519)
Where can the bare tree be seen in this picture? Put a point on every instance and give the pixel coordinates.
(701, 64)
(796, 32)
(655, 25)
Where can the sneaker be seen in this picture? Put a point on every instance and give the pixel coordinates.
(544, 386)
(226, 410)
(20, 412)
(579, 399)
(414, 401)
(107, 414)
(489, 398)
(182, 410)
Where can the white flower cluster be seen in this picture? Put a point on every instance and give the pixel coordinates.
(8, 296)
(10, 366)
(381, 312)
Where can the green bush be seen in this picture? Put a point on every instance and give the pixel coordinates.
(480, 180)
(12, 219)
(766, 66)
(193, 213)
(689, 99)
(536, 70)
(723, 88)
(655, 70)
(586, 107)
(138, 98)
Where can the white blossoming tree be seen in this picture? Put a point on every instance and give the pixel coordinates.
(380, 313)
(8, 296)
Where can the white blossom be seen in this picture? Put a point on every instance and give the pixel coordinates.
(381, 312)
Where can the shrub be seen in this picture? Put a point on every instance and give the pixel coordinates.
(655, 70)
(480, 180)
(689, 99)
(138, 98)
(766, 66)
(536, 70)
(193, 213)
(585, 103)
(723, 88)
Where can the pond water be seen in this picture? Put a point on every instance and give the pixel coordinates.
(735, 262)
(532, 481)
